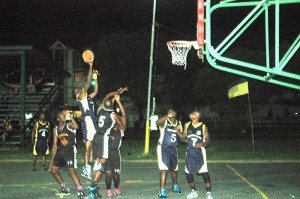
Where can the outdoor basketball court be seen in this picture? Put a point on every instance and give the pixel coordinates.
(140, 179)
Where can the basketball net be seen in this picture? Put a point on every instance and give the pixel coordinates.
(179, 51)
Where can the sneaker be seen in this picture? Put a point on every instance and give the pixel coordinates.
(93, 192)
(117, 192)
(176, 188)
(64, 191)
(83, 170)
(209, 195)
(162, 193)
(193, 194)
(109, 193)
(87, 172)
(88, 169)
(87, 176)
(82, 195)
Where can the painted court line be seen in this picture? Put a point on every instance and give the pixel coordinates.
(133, 181)
(264, 196)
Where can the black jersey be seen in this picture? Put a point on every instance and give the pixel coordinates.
(42, 131)
(66, 136)
(116, 135)
(105, 121)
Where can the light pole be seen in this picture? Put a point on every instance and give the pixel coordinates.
(147, 134)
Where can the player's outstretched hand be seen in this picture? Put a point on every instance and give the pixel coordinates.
(171, 114)
(122, 90)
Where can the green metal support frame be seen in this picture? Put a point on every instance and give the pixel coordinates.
(214, 55)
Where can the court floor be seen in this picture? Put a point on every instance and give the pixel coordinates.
(140, 179)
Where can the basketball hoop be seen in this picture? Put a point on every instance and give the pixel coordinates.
(179, 51)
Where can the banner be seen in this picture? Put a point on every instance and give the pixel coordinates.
(238, 88)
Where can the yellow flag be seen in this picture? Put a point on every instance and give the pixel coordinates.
(239, 88)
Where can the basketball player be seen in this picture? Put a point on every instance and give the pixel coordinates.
(197, 137)
(40, 139)
(113, 164)
(107, 118)
(170, 130)
(64, 135)
(88, 118)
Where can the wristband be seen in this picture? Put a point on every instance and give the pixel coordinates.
(94, 76)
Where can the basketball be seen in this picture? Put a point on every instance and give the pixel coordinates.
(88, 56)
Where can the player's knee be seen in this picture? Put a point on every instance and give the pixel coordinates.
(108, 174)
(206, 177)
(99, 167)
(116, 175)
(164, 171)
(53, 170)
(190, 177)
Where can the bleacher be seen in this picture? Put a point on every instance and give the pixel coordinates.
(10, 109)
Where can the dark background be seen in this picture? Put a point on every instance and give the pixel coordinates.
(119, 32)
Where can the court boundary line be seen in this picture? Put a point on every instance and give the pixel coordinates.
(264, 196)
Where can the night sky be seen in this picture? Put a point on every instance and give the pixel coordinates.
(106, 26)
(81, 23)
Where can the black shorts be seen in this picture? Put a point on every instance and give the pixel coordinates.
(41, 147)
(100, 146)
(114, 160)
(64, 158)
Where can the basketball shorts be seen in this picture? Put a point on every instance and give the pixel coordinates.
(167, 158)
(65, 158)
(196, 161)
(89, 131)
(41, 147)
(114, 160)
(100, 146)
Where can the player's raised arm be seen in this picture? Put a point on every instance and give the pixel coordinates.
(95, 78)
(161, 121)
(89, 77)
(123, 118)
(72, 124)
(179, 132)
(112, 94)
(82, 92)
(119, 121)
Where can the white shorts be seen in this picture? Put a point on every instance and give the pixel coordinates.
(91, 131)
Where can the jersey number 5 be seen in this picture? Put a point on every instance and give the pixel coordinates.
(101, 121)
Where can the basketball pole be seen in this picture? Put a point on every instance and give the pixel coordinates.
(147, 133)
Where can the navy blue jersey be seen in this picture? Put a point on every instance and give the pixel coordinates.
(86, 106)
(105, 121)
(66, 137)
(168, 136)
(195, 134)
